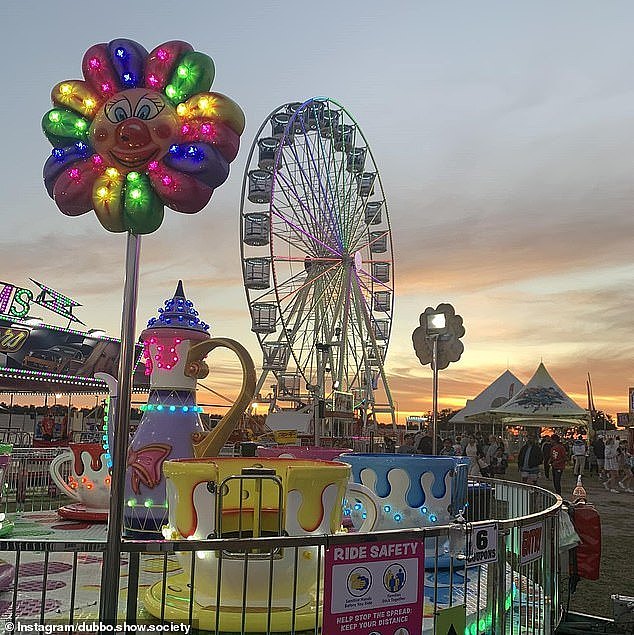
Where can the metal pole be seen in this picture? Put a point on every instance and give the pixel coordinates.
(434, 419)
(111, 572)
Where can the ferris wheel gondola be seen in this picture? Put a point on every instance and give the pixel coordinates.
(317, 262)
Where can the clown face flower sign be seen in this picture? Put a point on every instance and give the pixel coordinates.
(141, 131)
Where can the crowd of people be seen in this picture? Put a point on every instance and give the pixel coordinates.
(607, 456)
(488, 458)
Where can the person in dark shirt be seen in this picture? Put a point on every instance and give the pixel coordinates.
(408, 445)
(425, 445)
(558, 456)
(447, 448)
(529, 460)
(546, 446)
(599, 451)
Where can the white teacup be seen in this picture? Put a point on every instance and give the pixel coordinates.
(89, 479)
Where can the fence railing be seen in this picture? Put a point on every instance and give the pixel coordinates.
(27, 484)
(276, 584)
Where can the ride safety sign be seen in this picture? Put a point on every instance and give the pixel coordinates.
(374, 588)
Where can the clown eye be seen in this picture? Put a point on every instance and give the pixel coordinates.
(148, 108)
(118, 111)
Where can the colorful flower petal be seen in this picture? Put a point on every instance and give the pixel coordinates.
(128, 61)
(161, 62)
(98, 71)
(77, 95)
(179, 191)
(193, 74)
(201, 160)
(73, 189)
(214, 107)
(61, 159)
(107, 198)
(63, 127)
(142, 209)
(215, 133)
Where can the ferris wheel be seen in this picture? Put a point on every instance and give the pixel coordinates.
(317, 264)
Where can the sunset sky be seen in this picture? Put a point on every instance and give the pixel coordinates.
(504, 134)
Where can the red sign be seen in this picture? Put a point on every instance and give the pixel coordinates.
(531, 542)
(374, 589)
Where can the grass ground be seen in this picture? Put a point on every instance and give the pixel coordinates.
(617, 543)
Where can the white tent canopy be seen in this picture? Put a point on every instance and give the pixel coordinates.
(496, 394)
(541, 403)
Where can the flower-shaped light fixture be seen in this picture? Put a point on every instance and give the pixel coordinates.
(139, 132)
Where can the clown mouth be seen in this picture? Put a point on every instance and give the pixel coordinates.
(134, 159)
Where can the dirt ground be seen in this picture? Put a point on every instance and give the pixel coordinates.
(617, 538)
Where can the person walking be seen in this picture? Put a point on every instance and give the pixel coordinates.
(611, 465)
(547, 444)
(528, 461)
(579, 451)
(558, 457)
(472, 451)
(491, 449)
(599, 451)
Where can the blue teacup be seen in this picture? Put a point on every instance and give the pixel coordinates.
(414, 490)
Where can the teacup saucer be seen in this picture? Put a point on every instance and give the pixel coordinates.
(173, 604)
(79, 511)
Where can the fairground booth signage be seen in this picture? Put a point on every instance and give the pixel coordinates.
(42, 358)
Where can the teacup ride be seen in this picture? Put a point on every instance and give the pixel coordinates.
(425, 491)
(88, 482)
(243, 498)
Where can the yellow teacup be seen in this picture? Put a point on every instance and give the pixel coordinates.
(244, 497)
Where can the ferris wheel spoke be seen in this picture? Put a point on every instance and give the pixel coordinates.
(295, 240)
(296, 248)
(301, 214)
(323, 184)
(287, 210)
(300, 211)
(360, 230)
(371, 241)
(311, 240)
(319, 223)
(312, 312)
(368, 316)
(375, 281)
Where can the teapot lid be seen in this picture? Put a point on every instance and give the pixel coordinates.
(178, 312)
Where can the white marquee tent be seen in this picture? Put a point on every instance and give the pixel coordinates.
(496, 394)
(541, 403)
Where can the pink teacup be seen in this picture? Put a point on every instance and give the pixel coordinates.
(302, 452)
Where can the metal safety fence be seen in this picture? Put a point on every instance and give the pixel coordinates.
(26, 481)
(501, 564)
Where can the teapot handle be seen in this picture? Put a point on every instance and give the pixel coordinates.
(211, 443)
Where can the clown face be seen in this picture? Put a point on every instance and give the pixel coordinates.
(133, 128)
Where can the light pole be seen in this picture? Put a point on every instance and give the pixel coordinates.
(436, 327)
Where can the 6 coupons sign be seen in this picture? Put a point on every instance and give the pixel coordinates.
(483, 544)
